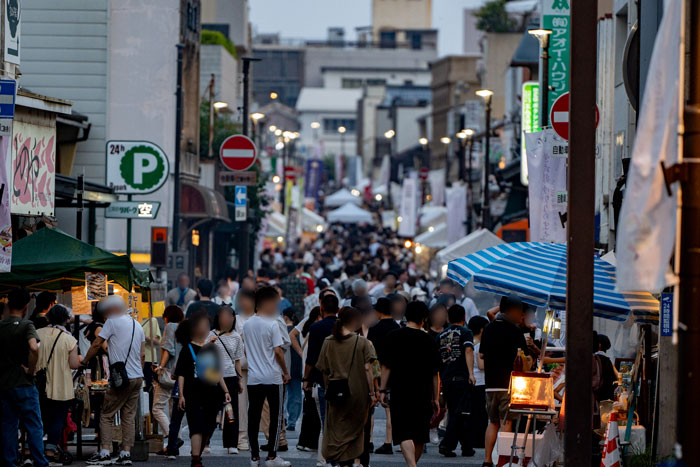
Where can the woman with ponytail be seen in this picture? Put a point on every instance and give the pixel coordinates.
(345, 362)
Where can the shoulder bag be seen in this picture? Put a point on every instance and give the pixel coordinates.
(41, 375)
(119, 378)
(338, 390)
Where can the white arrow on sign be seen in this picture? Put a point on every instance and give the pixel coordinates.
(240, 196)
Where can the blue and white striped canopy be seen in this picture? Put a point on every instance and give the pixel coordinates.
(536, 272)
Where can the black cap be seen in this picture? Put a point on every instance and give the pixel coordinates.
(510, 301)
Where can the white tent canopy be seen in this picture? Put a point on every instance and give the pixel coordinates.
(310, 220)
(276, 225)
(472, 243)
(350, 214)
(435, 239)
(433, 216)
(342, 197)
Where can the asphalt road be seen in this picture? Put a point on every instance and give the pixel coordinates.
(219, 457)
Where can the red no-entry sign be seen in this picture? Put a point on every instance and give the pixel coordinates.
(559, 116)
(238, 152)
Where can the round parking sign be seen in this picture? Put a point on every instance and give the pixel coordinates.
(136, 167)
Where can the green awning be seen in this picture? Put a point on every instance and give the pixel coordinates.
(52, 260)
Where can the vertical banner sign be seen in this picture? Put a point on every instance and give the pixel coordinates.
(12, 28)
(457, 207)
(408, 210)
(314, 171)
(530, 118)
(547, 192)
(555, 16)
(666, 323)
(5, 222)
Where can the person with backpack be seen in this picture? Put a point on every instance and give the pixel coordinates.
(230, 346)
(203, 390)
(126, 350)
(58, 355)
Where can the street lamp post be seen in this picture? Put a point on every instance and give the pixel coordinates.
(342, 130)
(486, 95)
(424, 164)
(542, 36)
(257, 130)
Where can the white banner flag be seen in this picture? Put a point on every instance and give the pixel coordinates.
(646, 228)
(457, 212)
(409, 208)
(546, 165)
(436, 179)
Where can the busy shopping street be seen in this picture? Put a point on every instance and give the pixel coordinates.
(332, 233)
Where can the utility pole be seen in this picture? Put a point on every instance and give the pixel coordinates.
(470, 185)
(580, 234)
(689, 273)
(178, 138)
(486, 208)
(244, 252)
(212, 83)
(79, 215)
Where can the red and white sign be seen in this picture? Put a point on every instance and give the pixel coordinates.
(238, 152)
(423, 174)
(559, 116)
(290, 173)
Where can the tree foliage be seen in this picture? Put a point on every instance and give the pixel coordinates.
(493, 17)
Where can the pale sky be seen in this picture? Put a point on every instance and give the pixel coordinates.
(310, 19)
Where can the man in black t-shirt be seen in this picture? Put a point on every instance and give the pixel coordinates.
(205, 289)
(410, 372)
(499, 346)
(457, 374)
(19, 352)
(377, 334)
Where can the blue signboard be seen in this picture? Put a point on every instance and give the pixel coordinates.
(8, 90)
(666, 321)
(314, 171)
(241, 195)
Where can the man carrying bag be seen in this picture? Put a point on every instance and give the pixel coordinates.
(126, 349)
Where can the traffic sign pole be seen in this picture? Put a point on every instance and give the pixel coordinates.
(128, 234)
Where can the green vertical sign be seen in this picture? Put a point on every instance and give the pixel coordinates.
(555, 17)
(530, 121)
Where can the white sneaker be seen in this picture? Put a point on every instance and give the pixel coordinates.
(206, 450)
(255, 463)
(277, 462)
(232, 450)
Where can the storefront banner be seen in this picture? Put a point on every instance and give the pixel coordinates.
(457, 209)
(314, 173)
(32, 169)
(556, 18)
(547, 188)
(409, 208)
(5, 221)
(646, 229)
(436, 179)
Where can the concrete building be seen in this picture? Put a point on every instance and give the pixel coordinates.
(349, 77)
(454, 83)
(88, 54)
(328, 110)
(280, 71)
(394, 20)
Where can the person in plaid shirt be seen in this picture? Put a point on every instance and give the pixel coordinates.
(295, 289)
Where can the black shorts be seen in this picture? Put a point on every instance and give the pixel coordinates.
(410, 421)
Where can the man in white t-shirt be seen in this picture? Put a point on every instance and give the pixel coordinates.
(125, 343)
(267, 373)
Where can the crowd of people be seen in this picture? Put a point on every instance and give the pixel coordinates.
(319, 340)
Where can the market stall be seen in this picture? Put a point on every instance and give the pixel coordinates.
(82, 274)
(350, 214)
(536, 272)
(340, 198)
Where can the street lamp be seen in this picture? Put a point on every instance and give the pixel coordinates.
(342, 130)
(389, 134)
(315, 125)
(272, 128)
(218, 105)
(274, 95)
(423, 141)
(542, 36)
(445, 140)
(257, 120)
(486, 95)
